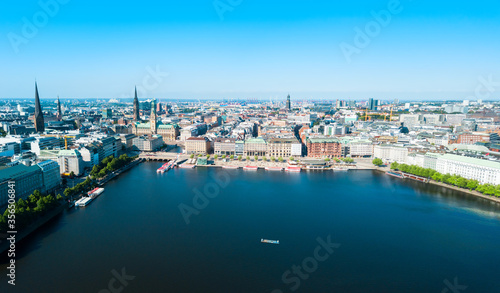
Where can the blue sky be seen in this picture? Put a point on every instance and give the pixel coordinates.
(258, 49)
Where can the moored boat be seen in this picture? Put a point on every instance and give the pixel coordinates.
(230, 167)
(251, 168)
(293, 169)
(187, 166)
(84, 201)
(395, 174)
(95, 192)
(274, 169)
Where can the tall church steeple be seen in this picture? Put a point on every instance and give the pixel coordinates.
(152, 117)
(59, 112)
(38, 117)
(136, 107)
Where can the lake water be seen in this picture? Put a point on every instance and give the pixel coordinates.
(385, 235)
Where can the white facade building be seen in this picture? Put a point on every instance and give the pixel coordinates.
(361, 148)
(390, 153)
(70, 161)
(481, 170)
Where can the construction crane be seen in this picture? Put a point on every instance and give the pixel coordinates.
(390, 118)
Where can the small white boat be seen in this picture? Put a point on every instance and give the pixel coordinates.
(230, 167)
(187, 166)
(270, 241)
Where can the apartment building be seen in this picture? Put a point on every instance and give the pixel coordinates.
(197, 145)
(327, 147)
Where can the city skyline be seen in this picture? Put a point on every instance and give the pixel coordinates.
(207, 49)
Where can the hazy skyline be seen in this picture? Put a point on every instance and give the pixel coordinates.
(257, 49)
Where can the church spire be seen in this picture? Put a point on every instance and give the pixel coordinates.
(136, 107)
(59, 112)
(38, 117)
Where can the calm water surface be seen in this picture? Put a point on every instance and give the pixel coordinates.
(394, 236)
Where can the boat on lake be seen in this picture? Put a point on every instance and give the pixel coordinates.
(270, 241)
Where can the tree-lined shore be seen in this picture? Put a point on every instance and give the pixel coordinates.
(454, 180)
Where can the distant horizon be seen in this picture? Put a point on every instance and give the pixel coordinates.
(278, 96)
(249, 100)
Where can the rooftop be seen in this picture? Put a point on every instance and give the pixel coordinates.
(483, 163)
(16, 171)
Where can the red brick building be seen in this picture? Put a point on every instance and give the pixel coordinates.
(328, 147)
(469, 138)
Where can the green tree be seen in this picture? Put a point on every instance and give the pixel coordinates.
(280, 159)
(256, 158)
(472, 184)
(327, 160)
(231, 157)
(377, 162)
(102, 173)
(192, 156)
(239, 158)
(216, 157)
(394, 166)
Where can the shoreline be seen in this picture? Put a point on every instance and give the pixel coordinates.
(54, 213)
(264, 164)
(35, 226)
(441, 184)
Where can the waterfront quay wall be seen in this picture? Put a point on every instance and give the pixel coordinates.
(31, 228)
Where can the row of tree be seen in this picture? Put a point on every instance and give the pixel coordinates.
(29, 210)
(455, 180)
(82, 187)
(35, 206)
(110, 164)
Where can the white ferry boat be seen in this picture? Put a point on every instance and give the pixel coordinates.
(84, 201)
(251, 168)
(95, 192)
(270, 241)
(187, 166)
(230, 167)
(274, 169)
